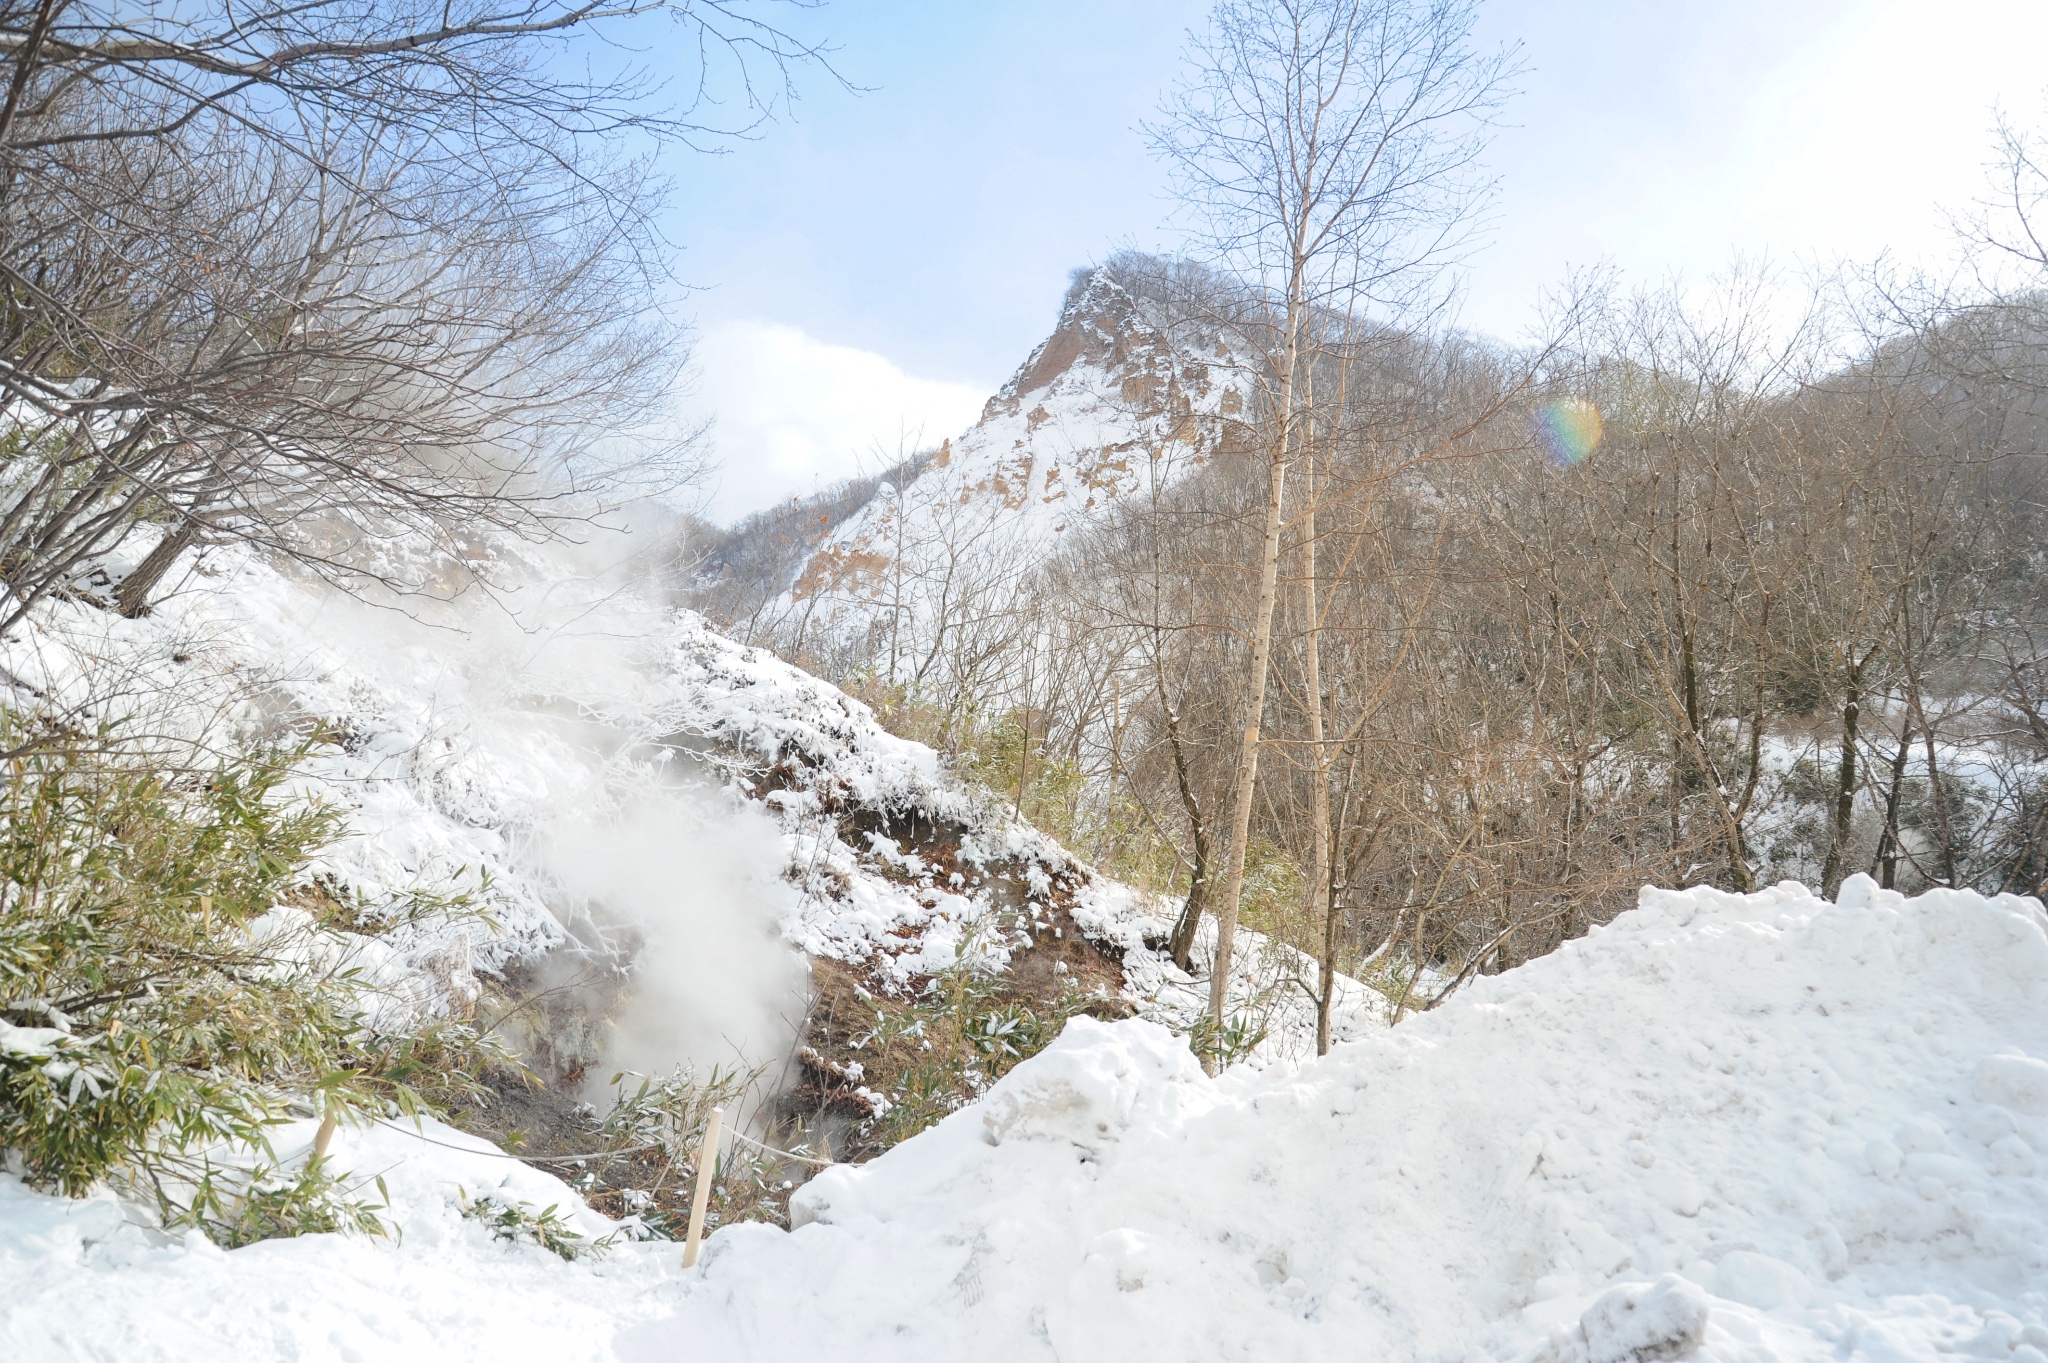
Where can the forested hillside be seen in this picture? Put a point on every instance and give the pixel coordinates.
(1678, 597)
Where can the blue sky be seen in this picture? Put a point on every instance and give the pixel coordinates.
(869, 269)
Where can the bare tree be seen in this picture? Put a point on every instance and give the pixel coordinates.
(313, 276)
(1327, 150)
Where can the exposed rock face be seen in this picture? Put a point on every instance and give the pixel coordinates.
(1122, 397)
(1105, 345)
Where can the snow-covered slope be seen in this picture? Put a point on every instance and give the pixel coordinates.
(1724, 1127)
(622, 782)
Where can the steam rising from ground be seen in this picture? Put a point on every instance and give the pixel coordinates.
(694, 885)
(682, 884)
(678, 883)
(524, 729)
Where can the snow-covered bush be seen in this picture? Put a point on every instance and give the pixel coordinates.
(163, 1005)
(518, 1222)
(931, 1054)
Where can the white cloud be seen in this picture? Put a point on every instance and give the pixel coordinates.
(1885, 122)
(1793, 132)
(795, 413)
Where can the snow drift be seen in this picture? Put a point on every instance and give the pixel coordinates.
(1725, 1127)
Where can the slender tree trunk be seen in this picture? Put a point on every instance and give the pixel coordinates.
(1255, 701)
(1942, 823)
(1888, 840)
(1916, 713)
(1674, 797)
(1319, 791)
(1248, 749)
(1845, 783)
(132, 596)
(1190, 915)
(1182, 945)
(1738, 837)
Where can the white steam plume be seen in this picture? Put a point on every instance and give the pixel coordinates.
(697, 883)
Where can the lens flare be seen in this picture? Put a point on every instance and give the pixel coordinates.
(1570, 430)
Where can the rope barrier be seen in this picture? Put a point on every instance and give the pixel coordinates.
(506, 1154)
(786, 1154)
(597, 1154)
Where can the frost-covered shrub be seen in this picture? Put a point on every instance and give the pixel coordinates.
(517, 1222)
(1224, 1045)
(264, 1204)
(159, 1012)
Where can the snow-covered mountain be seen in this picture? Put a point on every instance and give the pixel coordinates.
(1728, 1128)
(1132, 390)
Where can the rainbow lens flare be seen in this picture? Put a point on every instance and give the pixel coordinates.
(1569, 428)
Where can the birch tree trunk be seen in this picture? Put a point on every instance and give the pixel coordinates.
(1319, 791)
(1246, 783)
(1331, 148)
(1279, 453)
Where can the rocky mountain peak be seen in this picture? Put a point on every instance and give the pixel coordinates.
(1125, 391)
(1103, 327)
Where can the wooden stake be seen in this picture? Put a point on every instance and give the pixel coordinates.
(707, 1165)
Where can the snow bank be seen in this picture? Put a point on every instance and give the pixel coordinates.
(1764, 1123)
(1725, 1127)
(79, 1281)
